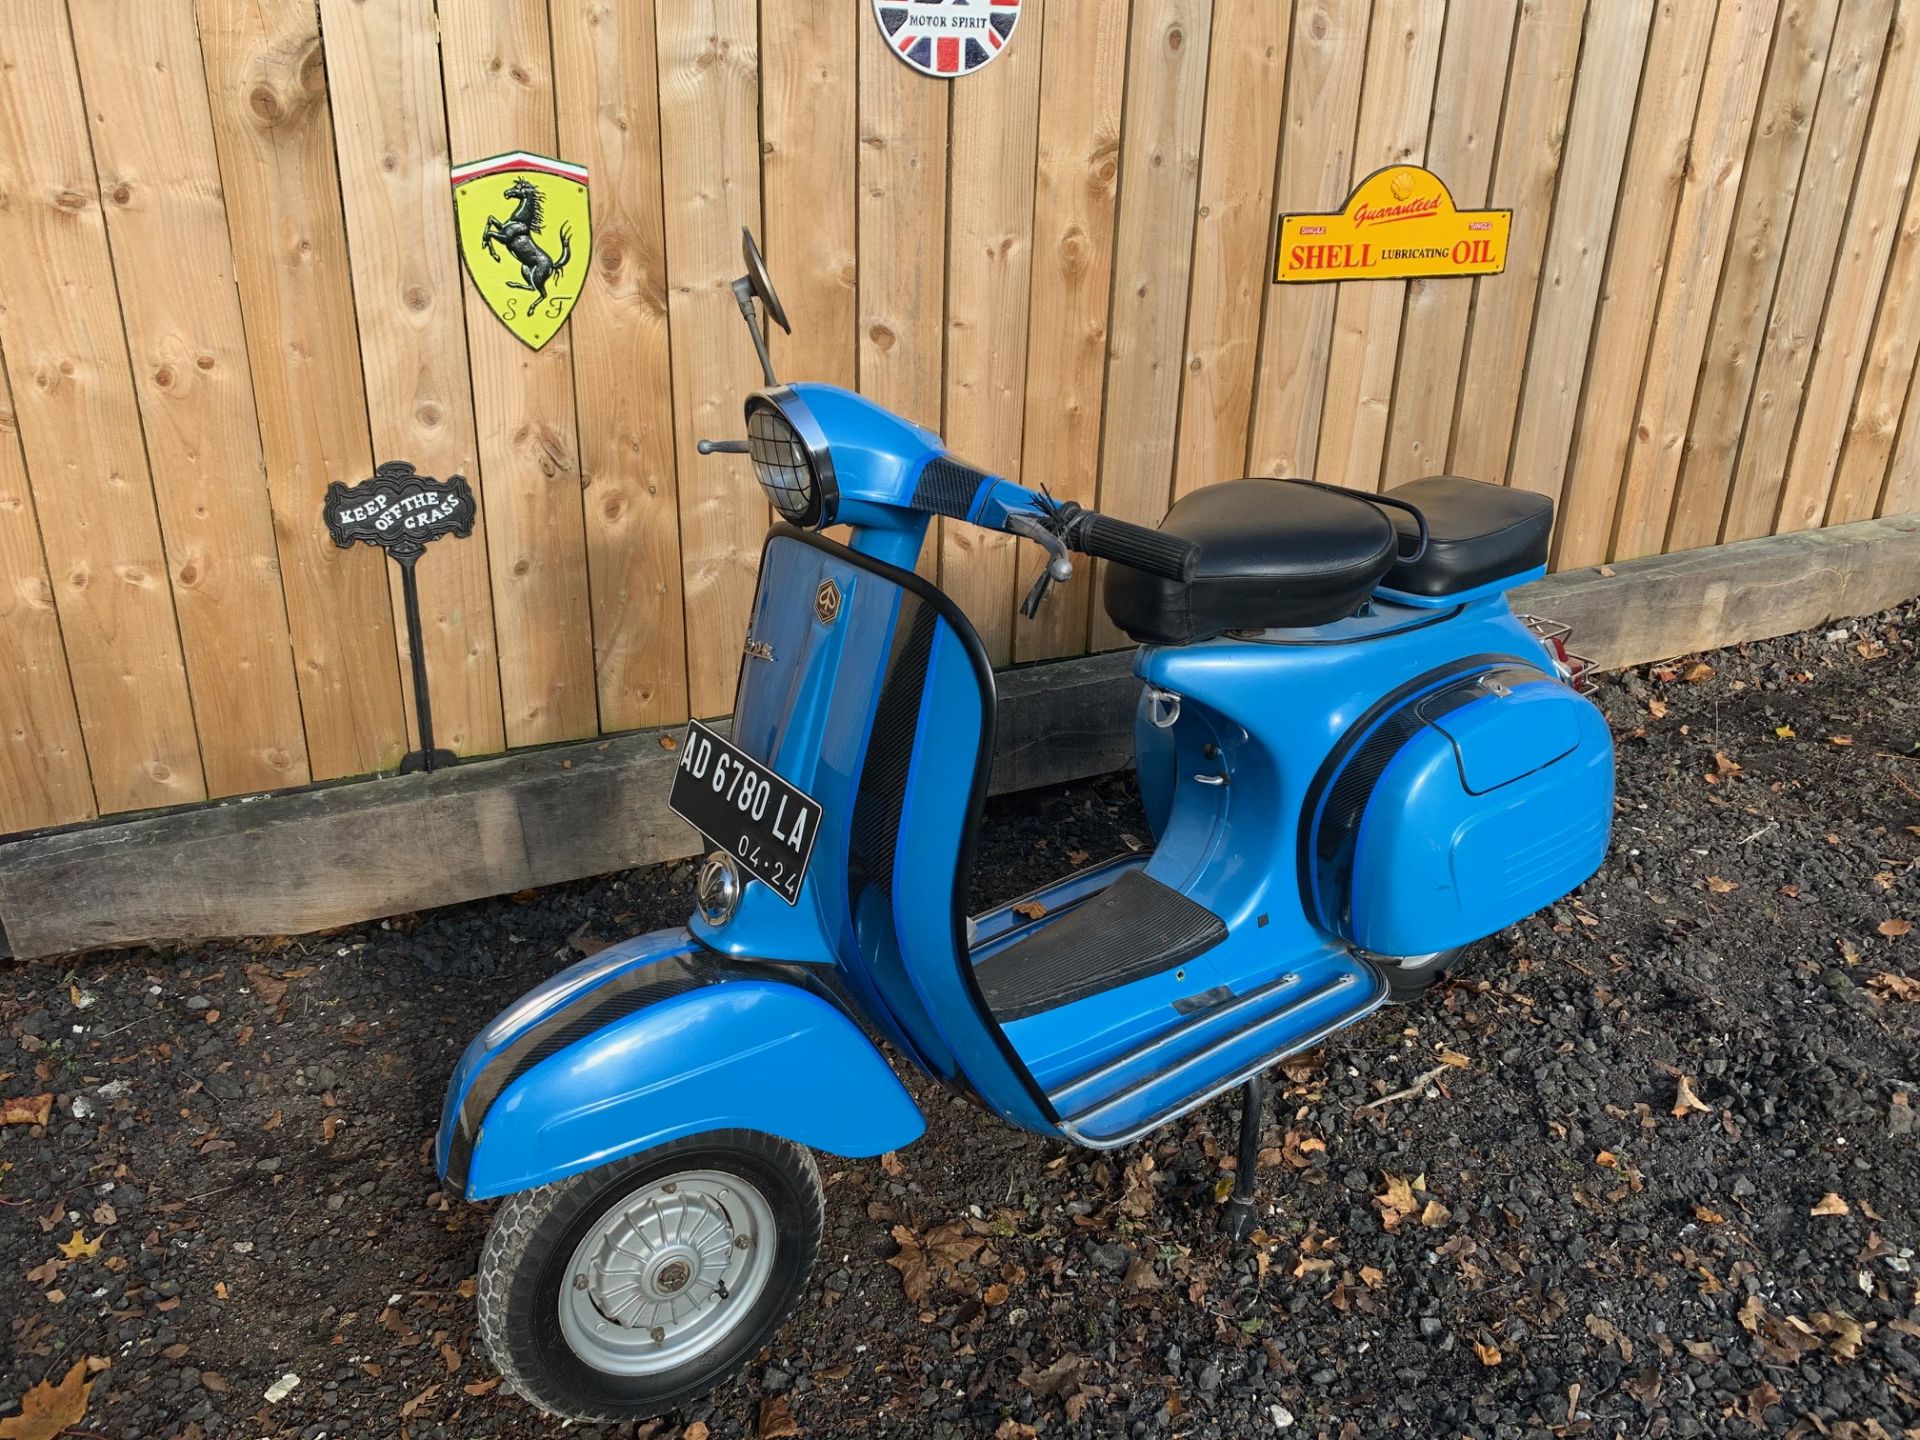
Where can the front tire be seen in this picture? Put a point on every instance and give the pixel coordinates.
(1411, 976)
(626, 1291)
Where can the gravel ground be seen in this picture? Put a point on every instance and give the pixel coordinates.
(1647, 1166)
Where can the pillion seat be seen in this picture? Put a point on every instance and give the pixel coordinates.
(1477, 534)
(1281, 554)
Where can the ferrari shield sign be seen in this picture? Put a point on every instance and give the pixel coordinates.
(1399, 223)
(525, 234)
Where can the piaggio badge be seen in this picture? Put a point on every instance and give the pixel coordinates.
(400, 510)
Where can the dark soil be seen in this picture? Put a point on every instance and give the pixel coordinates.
(1647, 1166)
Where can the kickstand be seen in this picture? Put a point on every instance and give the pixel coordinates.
(1253, 1103)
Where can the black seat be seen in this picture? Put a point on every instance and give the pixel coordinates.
(1477, 534)
(1273, 554)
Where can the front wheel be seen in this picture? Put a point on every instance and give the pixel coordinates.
(1411, 976)
(626, 1291)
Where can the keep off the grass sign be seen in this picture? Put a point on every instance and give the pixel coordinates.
(1400, 223)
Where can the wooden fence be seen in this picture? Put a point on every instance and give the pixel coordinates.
(228, 276)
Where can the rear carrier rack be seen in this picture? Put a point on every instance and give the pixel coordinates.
(1577, 670)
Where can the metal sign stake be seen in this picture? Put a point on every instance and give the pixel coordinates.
(400, 511)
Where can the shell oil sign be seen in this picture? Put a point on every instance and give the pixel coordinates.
(1400, 223)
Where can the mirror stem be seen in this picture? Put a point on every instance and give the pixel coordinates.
(743, 293)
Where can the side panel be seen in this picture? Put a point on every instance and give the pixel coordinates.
(1442, 860)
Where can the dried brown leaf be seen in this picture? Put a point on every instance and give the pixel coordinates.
(1685, 1102)
(1755, 1403)
(26, 1110)
(1895, 987)
(911, 1262)
(1831, 1204)
(48, 1409)
(1844, 1333)
(269, 987)
(776, 1419)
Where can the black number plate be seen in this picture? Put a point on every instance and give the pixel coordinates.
(747, 810)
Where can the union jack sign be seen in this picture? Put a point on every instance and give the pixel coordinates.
(947, 38)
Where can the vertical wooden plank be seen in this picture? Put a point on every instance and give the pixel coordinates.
(809, 60)
(1802, 59)
(80, 431)
(1879, 198)
(1598, 129)
(904, 121)
(710, 146)
(43, 760)
(1888, 377)
(497, 64)
(1902, 493)
(1245, 87)
(606, 75)
(1153, 247)
(146, 100)
(903, 231)
(271, 124)
(1533, 132)
(996, 124)
(1729, 94)
(1840, 128)
(1327, 59)
(383, 74)
(1075, 187)
(1433, 336)
(1649, 198)
(1396, 103)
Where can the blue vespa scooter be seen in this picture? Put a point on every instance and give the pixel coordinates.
(1354, 758)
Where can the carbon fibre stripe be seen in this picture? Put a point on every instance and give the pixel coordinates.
(948, 487)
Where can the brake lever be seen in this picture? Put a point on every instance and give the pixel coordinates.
(723, 447)
(1059, 567)
(1032, 527)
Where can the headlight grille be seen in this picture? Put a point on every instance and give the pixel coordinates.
(780, 460)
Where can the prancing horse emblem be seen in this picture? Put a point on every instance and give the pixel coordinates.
(524, 265)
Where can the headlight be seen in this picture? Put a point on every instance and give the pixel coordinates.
(791, 459)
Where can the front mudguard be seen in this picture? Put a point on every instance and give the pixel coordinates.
(655, 1039)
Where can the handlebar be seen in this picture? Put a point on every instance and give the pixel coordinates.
(1137, 546)
(1153, 551)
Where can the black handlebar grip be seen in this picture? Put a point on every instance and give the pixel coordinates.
(1153, 551)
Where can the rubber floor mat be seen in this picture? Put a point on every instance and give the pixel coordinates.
(1135, 928)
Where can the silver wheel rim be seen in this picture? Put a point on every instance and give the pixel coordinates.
(1415, 963)
(667, 1273)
